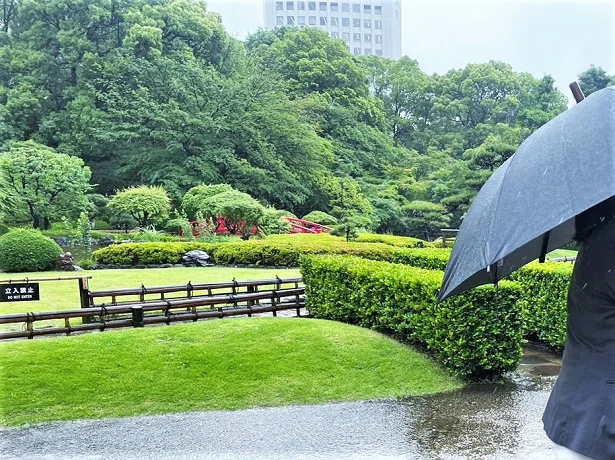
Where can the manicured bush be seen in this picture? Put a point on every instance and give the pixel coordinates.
(194, 198)
(87, 264)
(477, 335)
(321, 218)
(147, 253)
(27, 251)
(393, 240)
(281, 251)
(146, 205)
(429, 258)
(273, 221)
(101, 225)
(545, 292)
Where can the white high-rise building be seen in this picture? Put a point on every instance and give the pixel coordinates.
(367, 26)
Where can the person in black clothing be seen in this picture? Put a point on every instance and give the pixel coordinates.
(580, 415)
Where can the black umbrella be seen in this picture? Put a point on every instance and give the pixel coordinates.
(532, 203)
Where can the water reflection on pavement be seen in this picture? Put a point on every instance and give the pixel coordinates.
(488, 421)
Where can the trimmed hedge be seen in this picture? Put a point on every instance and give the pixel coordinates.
(27, 251)
(393, 240)
(545, 292)
(147, 253)
(477, 335)
(278, 252)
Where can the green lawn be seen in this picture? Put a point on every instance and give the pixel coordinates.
(561, 253)
(228, 364)
(64, 295)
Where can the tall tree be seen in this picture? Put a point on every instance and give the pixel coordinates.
(43, 183)
(595, 78)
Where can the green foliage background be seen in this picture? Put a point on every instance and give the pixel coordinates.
(158, 93)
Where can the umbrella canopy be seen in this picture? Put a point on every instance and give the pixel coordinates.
(529, 206)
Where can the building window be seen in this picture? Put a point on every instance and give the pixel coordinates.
(280, 21)
(334, 6)
(367, 9)
(368, 51)
(356, 23)
(290, 5)
(301, 6)
(335, 35)
(345, 7)
(357, 51)
(279, 6)
(356, 8)
(323, 6)
(301, 20)
(345, 22)
(367, 23)
(357, 37)
(379, 39)
(312, 6)
(335, 22)
(312, 20)
(378, 52)
(323, 21)
(368, 37)
(378, 24)
(346, 36)
(290, 20)
(377, 9)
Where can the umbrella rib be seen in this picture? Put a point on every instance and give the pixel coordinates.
(497, 202)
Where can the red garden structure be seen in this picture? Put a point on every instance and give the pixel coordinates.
(305, 226)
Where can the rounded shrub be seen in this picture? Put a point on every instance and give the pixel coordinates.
(321, 218)
(27, 250)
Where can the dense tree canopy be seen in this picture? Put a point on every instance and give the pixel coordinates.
(41, 183)
(155, 92)
(146, 205)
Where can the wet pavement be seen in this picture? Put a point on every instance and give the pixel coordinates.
(487, 421)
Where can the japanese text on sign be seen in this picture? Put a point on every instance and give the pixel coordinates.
(19, 292)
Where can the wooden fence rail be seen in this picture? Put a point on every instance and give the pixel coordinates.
(190, 289)
(277, 300)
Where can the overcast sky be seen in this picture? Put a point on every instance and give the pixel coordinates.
(557, 37)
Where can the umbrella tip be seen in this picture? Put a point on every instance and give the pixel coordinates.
(576, 91)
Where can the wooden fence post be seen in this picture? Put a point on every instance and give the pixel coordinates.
(137, 316)
(84, 298)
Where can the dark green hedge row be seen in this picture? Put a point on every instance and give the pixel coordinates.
(268, 252)
(545, 286)
(148, 253)
(477, 335)
(545, 290)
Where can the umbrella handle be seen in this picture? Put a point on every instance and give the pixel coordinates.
(576, 91)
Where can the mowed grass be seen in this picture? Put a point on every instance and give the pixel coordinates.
(561, 253)
(227, 364)
(64, 295)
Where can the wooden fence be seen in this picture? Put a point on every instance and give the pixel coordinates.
(166, 311)
(190, 290)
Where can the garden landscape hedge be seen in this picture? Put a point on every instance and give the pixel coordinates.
(545, 290)
(23, 250)
(477, 335)
(268, 252)
(544, 285)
